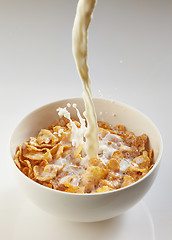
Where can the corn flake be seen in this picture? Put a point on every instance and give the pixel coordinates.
(113, 165)
(104, 189)
(45, 173)
(127, 180)
(92, 176)
(96, 162)
(141, 163)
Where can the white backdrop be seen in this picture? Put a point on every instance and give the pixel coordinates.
(130, 59)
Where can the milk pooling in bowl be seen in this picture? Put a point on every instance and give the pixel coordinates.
(79, 48)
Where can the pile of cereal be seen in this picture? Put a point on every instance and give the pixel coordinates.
(50, 159)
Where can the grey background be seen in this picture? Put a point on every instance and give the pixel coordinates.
(130, 60)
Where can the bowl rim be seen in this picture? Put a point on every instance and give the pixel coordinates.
(90, 194)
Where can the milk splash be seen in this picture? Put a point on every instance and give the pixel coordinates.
(107, 144)
(78, 135)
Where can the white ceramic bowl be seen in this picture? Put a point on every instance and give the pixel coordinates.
(87, 207)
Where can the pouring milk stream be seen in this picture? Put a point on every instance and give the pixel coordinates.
(79, 47)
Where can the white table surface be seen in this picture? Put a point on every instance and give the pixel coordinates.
(130, 59)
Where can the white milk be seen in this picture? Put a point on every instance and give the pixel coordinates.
(79, 48)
